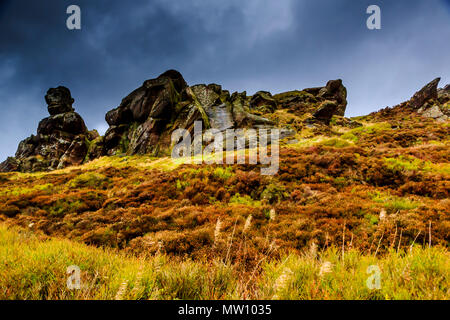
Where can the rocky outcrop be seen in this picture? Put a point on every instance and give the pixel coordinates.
(9, 165)
(62, 139)
(433, 112)
(424, 95)
(432, 102)
(140, 123)
(137, 124)
(444, 94)
(333, 91)
(144, 121)
(315, 105)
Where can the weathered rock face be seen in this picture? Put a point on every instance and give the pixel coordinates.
(69, 122)
(137, 125)
(335, 91)
(427, 93)
(213, 101)
(434, 112)
(326, 111)
(9, 165)
(62, 139)
(432, 102)
(145, 120)
(317, 104)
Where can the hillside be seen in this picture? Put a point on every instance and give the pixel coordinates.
(344, 176)
(370, 186)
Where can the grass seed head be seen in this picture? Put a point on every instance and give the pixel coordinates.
(325, 268)
(247, 224)
(272, 214)
(217, 231)
(382, 214)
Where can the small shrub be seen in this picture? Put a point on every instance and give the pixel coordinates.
(89, 180)
(274, 193)
(223, 173)
(337, 143)
(245, 200)
(392, 202)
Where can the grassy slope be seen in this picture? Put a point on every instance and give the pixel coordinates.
(329, 192)
(35, 269)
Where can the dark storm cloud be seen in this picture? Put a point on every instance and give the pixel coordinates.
(243, 45)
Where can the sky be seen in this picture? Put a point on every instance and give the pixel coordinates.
(251, 45)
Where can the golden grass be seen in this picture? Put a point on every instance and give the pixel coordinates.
(35, 268)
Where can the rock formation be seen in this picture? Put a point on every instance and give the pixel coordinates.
(333, 91)
(432, 102)
(62, 139)
(144, 121)
(425, 94)
(319, 104)
(137, 123)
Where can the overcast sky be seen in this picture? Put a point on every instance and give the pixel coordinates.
(273, 45)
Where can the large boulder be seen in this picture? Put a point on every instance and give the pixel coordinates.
(431, 102)
(207, 95)
(75, 154)
(427, 93)
(316, 101)
(242, 115)
(139, 121)
(435, 113)
(335, 90)
(263, 101)
(69, 122)
(118, 115)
